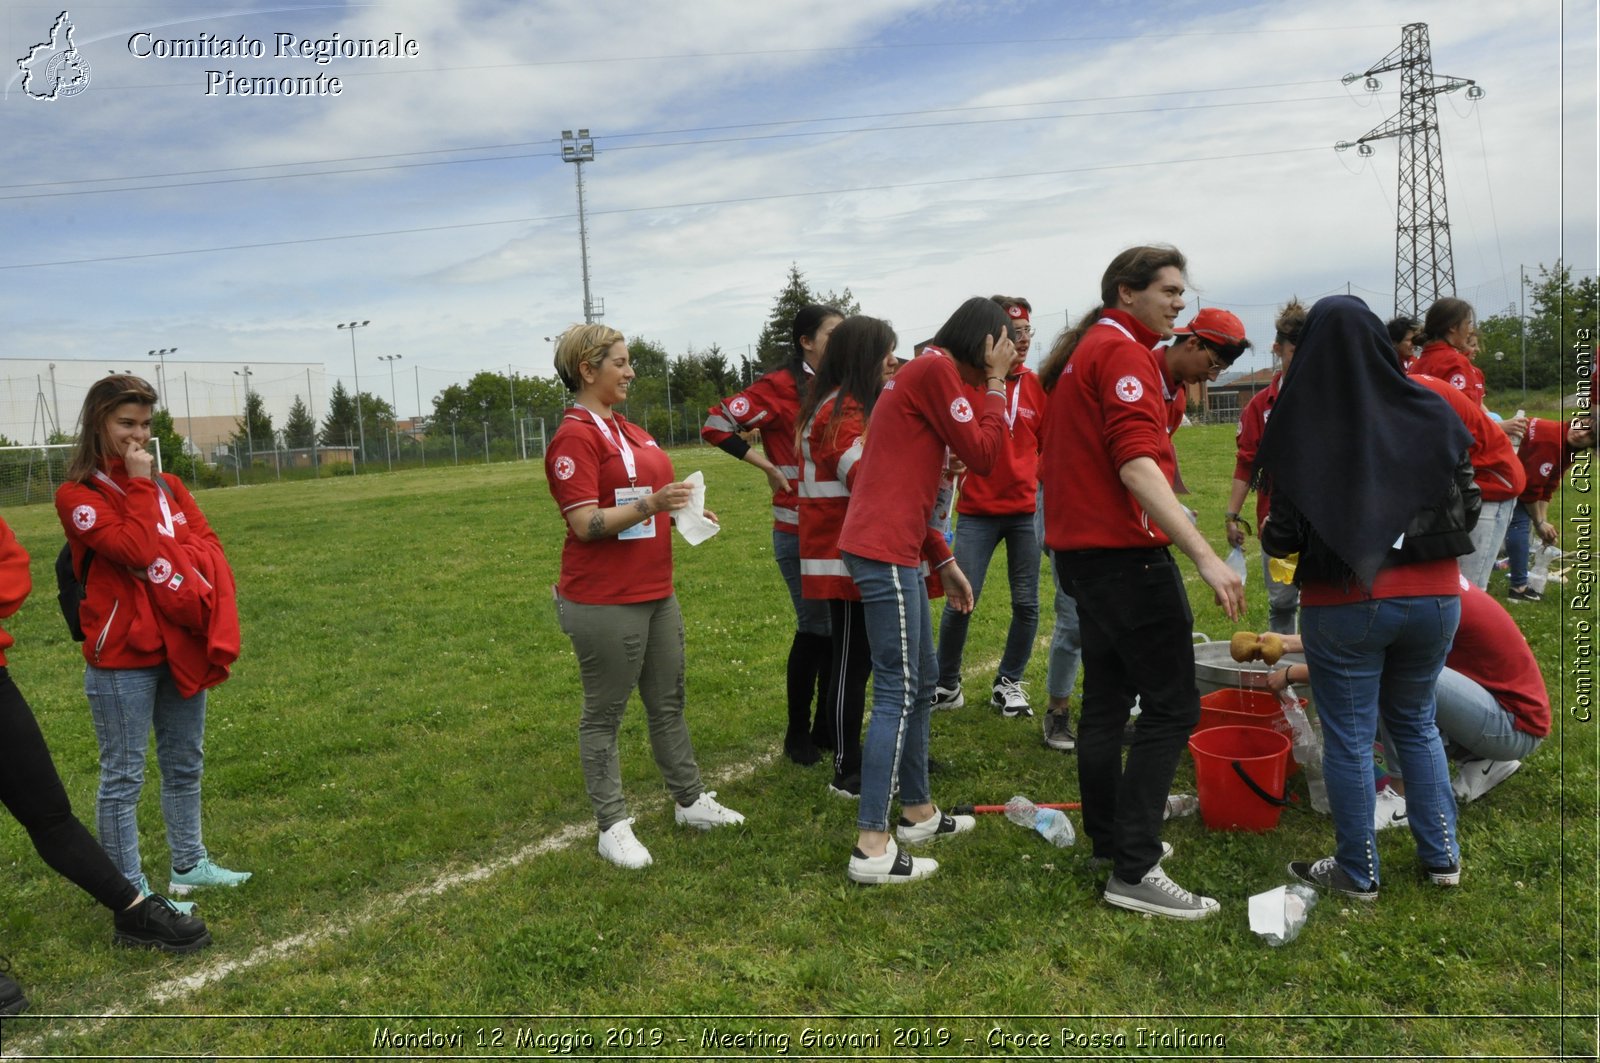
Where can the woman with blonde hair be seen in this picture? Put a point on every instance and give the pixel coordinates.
(615, 598)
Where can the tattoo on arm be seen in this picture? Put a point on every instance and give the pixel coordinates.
(597, 525)
(642, 505)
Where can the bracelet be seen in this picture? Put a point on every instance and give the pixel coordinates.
(999, 378)
(1231, 518)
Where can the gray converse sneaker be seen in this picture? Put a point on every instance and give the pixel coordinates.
(1156, 894)
(1328, 876)
(1058, 731)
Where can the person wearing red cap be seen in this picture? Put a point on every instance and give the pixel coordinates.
(998, 508)
(1283, 599)
(1110, 514)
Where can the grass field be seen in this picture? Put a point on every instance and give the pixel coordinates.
(395, 759)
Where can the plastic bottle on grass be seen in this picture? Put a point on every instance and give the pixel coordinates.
(1181, 805)
(1051, 823)
(1298, 900)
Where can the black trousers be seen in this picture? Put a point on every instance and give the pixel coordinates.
(1136, 626)
(32, 792)
(847, 682)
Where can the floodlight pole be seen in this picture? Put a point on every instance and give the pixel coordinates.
(361, 428)
(162, 374)
(578, 150)
(393, 394)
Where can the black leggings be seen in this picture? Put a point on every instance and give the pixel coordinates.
(852, 667)
(32, 791)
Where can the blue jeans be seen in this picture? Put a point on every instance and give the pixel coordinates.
(811, 614)
(1066, 640)
(1517, 543)
(1472, 721)
(1283, 600)
(899, 622)
(126, 703)
(1487, 535)
(1372, 660)
(976, 540)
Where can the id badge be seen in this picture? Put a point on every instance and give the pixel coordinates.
(627, 496)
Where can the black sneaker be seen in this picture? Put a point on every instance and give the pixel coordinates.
(798, 747)
(12, 1002)
(1327, 875)
(846, 786)
(1444, 876)
(1524, 594)
(154, 923)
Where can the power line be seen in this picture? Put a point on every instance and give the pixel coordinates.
(662, 206)
(634, 147)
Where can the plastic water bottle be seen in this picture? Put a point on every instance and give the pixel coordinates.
(1307, 749)
(1237, 563)
(1051, 823)
(1181, 805)
(1298, 900)
(1054, 826)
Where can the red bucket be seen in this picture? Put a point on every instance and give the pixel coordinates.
(1236, 707)
(1239, 774)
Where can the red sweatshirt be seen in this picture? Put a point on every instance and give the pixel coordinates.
(15, 581)
(770, 406)
(1491, 651)
(924, 408)
(1545, 458)
(1452, 366)
(180, 609)
(1253, 422)
(1495, 468)
(1113, 403)
(1012, 486)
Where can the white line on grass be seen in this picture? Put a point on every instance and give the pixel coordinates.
(380, 908)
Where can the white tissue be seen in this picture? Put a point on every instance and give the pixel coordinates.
(691, 521)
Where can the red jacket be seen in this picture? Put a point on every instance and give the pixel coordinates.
(828, 465)
(1247, 440)
(1545, 456)
(924, 409)
(1491, 651)
(180, 609)
(770, 406)
(1113, 403)
(15, 582)
(1452, 366)
(1012, 486)
(1495, 467)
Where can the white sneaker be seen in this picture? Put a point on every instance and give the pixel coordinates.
(705, 813)
(892, 868)
(1478, 777)
(1389, 810)
(945, 698)
(618, 845)
(933, 827)
(1009, 698)
(1156, 894)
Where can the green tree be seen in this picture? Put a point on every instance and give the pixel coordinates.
(299, 430)
(339, 424)
(1557, 308)
(175, 456)
(773, 348)
(252, 433)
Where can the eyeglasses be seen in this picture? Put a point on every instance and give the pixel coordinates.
(1214, 362)
(1022, 330)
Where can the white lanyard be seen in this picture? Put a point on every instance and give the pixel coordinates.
(1016, 395)
(1166, 392)
(166, 526)
(620, 441)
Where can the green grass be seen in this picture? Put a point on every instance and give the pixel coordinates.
(406, 709)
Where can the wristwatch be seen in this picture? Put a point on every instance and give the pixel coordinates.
(1231, 518)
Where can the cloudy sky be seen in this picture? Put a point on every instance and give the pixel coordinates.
(916, 152)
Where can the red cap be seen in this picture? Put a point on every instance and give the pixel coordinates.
(1217, 325)
(1017, 312)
